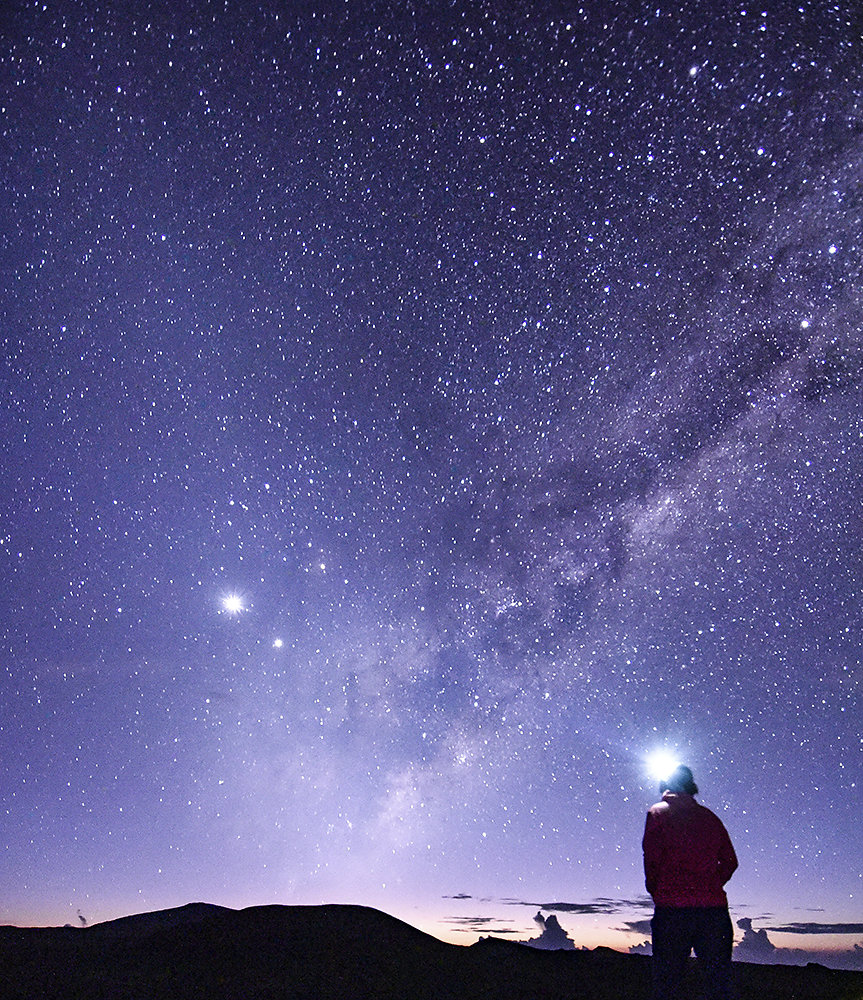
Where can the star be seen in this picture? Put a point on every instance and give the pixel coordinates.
(233, 604)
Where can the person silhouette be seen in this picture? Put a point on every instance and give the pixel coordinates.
(688, 858)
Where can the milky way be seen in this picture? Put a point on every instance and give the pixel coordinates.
(414, 416)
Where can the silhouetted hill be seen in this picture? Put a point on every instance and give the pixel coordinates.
(203, 952)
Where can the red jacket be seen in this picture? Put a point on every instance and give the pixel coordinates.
(688, 855)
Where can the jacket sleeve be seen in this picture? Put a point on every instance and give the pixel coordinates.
(651, 845)
(727, 860)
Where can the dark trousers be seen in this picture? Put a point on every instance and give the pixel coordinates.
(676, 931)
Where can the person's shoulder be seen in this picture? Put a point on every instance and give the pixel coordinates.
(708, 814)
(658, 809)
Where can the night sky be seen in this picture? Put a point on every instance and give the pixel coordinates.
(414, 415)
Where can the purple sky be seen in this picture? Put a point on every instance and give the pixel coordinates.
(414, 415)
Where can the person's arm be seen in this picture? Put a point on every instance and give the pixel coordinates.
(651, 845)
(727, 860)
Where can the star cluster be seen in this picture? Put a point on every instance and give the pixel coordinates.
(414, 416)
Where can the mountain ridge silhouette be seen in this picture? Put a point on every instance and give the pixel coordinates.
(202, 951)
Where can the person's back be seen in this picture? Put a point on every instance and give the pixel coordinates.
(688, 856)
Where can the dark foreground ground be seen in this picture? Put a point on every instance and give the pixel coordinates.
(327, 952)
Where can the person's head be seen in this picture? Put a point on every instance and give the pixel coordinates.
(680, 780)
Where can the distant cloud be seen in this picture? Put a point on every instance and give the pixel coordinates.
(471, 921)
(599, 905)
(596, 906)
(473, 925)
(813, 928)
(636, 927)
(755, 944)
(82, 920)
(553, 937)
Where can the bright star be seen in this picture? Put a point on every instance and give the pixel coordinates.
(233, 604)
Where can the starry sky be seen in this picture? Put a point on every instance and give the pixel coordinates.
(414, 415)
